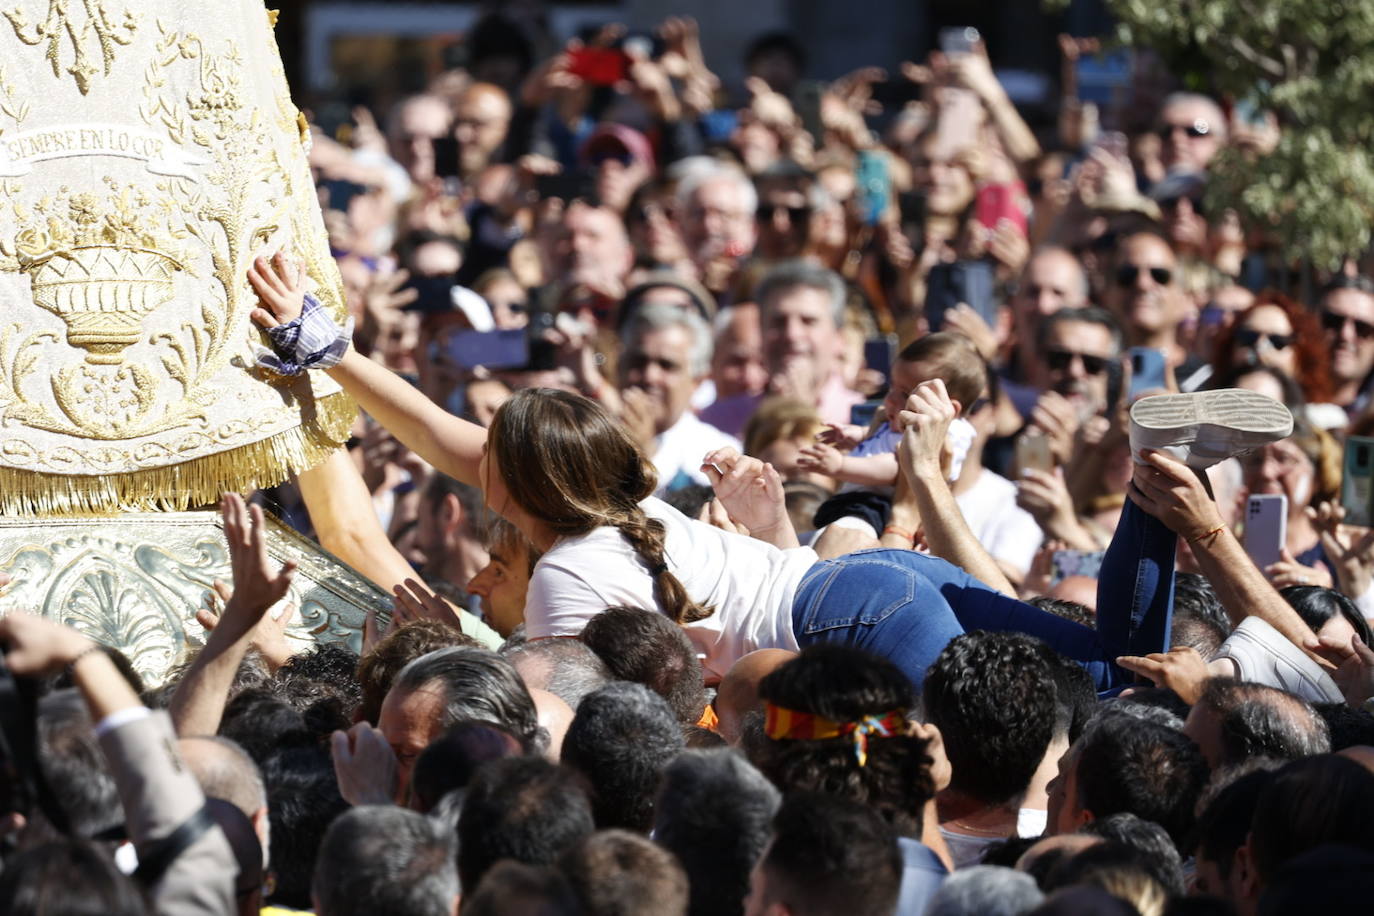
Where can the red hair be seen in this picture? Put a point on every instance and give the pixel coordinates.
(1309, 345)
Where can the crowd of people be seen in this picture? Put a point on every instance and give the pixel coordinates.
(809, 499)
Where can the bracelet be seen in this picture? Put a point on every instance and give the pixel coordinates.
(905, 535)
(1209, 536)
(71, 665)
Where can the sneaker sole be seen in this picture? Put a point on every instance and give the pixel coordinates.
(1237, 419)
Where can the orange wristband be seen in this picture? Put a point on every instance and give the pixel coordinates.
(907, 535)
(1209, 536)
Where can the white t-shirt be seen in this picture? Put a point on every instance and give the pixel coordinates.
(749, 583)
(678, 451)
(1005, 530)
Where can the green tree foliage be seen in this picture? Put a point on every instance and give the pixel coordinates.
(1309, 61)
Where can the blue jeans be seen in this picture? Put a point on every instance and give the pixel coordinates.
(907, 606)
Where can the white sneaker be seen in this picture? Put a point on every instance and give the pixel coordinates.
(1263, 655)
(1206, 427)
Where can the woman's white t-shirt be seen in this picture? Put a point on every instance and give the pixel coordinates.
(749, 583)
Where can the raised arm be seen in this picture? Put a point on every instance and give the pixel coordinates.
(451, 444)
(341, 510)
(199, 701)
(925, 423)
(1169, 490)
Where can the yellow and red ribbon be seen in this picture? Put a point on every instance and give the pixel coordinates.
(782, 724)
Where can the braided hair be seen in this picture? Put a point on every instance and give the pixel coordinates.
(567, 462)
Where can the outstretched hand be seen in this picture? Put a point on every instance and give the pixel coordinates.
(749, 490)
(415, 601)
(1181, 669)
(280, 284)
(365, 766)
(268, 637)
(256, 586)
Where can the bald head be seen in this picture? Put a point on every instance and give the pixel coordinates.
(481, 118)
(738, 693)
(415, 123)
(555, 716)
(225, 771)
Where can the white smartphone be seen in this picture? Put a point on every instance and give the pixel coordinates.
(1357, 483)
(1266, 527)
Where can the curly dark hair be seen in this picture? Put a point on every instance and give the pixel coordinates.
(844, 684)
(993, 697)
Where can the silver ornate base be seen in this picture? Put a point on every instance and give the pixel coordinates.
(135, 581)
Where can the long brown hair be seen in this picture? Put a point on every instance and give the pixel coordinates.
(568, 463)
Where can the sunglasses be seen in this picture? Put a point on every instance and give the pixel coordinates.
(1249, 338)
(1194, 202)
(1128, 274)
(1060, 360)
(1198, 128)
(795, 214)
(1336, 323)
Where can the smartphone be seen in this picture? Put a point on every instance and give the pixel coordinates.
(1033, 453)
(878, 353)
(1357, 481)
(1103, 78)
(872, 187)
(1266, 527)
(599, 66)
(896, 93)
(445, 156)
(862, 414)
(341, 193)
(566, 185)
(1002, 201)
(433, 293)
(969, 282)
(508, 349)
(1114, 144)
(957, 123)
(959, 39)
(1147, 372)
(1065, 563)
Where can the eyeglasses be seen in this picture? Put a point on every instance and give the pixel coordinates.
(1336, 323)
(1127, 274)
(1060, 360)
(1248, 337)
(1195, 203)
(766, 212)
(1199, 128)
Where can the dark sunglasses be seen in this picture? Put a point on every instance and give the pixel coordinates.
(1127, 274)
(795, 214)
(1060, 360)
(1198, 128)
(1333, 322)
(1247, 337)
(608, 155)
(1196, 202)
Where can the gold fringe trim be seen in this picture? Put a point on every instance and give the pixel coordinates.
(188, 485)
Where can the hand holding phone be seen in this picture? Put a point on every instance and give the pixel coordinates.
(1148, 372)
(1266, 528)
(1357, 481)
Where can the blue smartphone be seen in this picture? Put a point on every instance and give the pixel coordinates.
(1147, 372)
(873, 187)
(508, 349)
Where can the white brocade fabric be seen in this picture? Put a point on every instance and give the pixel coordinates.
(149, 151)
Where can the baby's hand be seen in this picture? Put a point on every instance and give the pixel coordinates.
(280, 285)
(843, 437)
(820, 457)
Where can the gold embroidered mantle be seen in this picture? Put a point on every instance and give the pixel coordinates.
(148, 152)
